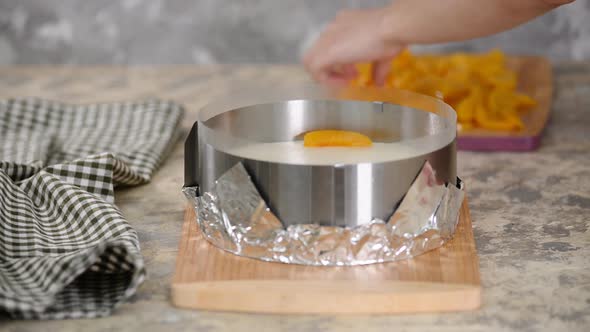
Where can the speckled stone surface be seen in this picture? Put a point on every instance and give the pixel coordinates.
(531, 212)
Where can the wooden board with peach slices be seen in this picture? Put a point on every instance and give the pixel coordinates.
(502, 102)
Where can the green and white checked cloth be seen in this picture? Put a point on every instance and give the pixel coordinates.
(65, 249)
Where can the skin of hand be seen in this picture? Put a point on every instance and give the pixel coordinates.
(377, 35)
(354, 36)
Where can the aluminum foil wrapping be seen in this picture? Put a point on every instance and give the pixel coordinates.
(234, 217)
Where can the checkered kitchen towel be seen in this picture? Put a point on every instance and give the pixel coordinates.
(65, 249)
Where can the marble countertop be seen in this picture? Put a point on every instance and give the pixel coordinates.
(531, 211)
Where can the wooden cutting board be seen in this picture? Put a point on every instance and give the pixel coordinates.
(445, 279)
(534, 79)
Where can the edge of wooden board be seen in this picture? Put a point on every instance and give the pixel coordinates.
(326, 296)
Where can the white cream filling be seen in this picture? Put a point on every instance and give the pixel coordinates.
(295, 153)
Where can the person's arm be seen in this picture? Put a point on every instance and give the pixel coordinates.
(377, 35)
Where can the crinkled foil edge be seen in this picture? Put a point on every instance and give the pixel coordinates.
(235, 218)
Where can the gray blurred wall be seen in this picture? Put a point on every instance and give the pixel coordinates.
(226, 31)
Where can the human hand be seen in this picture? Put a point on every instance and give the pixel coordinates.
(354, 36)
(377, 35)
